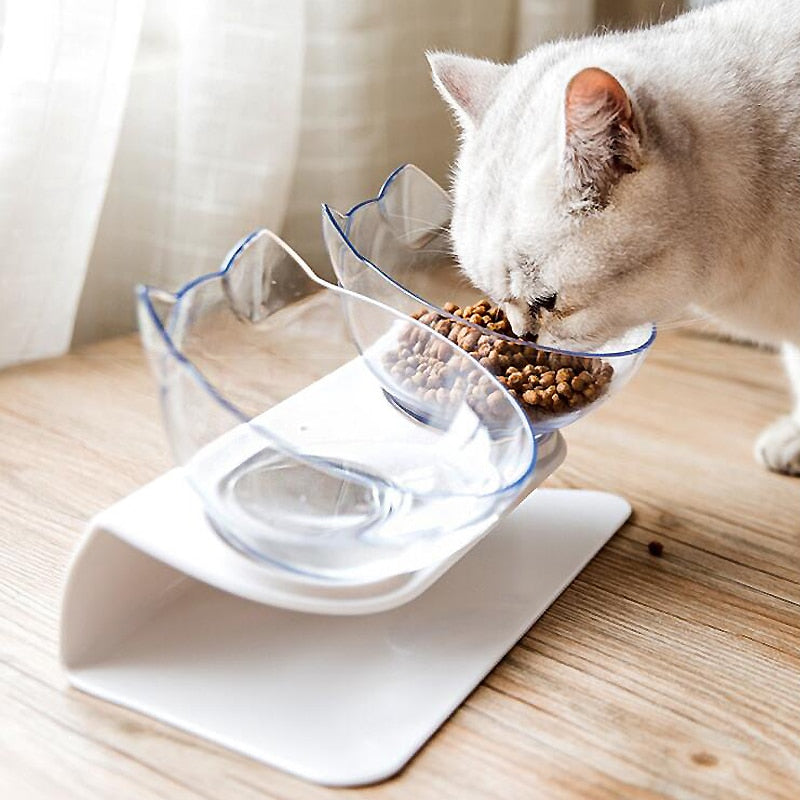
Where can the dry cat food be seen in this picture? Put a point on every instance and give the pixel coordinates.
(544, 383)
(655, 548)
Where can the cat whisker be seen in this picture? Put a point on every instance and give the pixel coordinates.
(682, 321)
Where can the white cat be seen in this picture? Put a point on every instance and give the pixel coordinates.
(644, 176)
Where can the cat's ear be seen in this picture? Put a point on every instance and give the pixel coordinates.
(467, 84)
(602, 137)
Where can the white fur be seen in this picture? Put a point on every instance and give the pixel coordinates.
(709, 223)
(778, 447)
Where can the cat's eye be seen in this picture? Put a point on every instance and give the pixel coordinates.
(547, 302)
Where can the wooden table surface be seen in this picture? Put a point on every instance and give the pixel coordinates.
(649, 677)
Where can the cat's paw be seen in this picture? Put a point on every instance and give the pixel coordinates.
(778, 447)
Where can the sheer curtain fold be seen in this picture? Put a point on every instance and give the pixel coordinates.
(139, 139)
(65, 68)
(206, 152)
(543, 20)
(368, 101)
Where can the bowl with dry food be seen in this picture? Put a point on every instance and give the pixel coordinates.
(395, 248)
(282, 426)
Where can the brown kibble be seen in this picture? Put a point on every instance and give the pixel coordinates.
(655, 548)
(564, 390)
(544, 382)
(516, 380)
(531, 397)
(547, 379)
(443, 326)
(470, 340)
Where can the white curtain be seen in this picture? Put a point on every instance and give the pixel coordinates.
(140, 138)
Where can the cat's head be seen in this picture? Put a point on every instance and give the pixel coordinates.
(562, 205)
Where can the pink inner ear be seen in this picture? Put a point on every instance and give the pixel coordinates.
(593, 91)
(458, 85)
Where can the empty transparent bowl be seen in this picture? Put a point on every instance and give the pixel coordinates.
(342, 462)
(395, 249)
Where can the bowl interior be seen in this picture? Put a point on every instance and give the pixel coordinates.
(274, 388)
(395, 248)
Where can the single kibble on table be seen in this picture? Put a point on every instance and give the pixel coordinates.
(655, 548)
(543, 382)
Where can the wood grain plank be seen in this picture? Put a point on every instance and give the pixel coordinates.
(671, 677)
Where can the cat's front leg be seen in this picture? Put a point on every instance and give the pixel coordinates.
(778, 447)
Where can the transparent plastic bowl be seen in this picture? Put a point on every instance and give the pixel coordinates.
(328, 459)
(395, 249)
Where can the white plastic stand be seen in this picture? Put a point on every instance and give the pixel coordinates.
(337, 685)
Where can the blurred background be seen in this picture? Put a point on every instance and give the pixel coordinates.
(140, 139)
